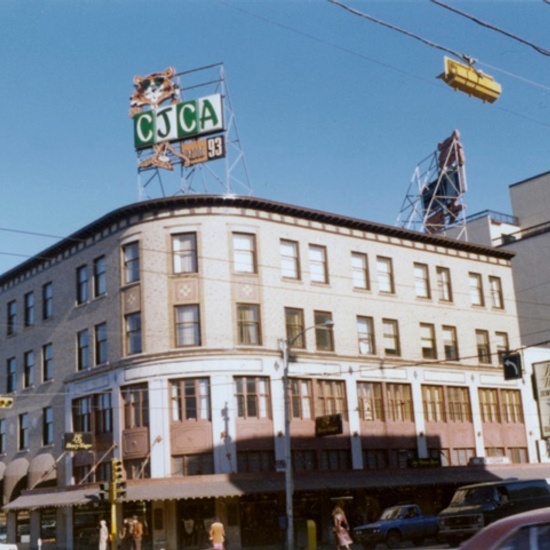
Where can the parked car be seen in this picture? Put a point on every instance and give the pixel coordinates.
(397, 524)
(528, 530)
(475, 506)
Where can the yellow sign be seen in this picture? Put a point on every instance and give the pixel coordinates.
(202, 150)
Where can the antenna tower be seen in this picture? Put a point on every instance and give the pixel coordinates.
(435, 199)
(212, 162)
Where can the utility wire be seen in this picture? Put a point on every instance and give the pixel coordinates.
(539, 49)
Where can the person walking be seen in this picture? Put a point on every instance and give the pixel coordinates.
(126, 540)
(103, 535)
(137, 533)
(341, 528)
(217, 535)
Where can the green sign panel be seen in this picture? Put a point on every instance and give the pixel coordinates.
(184, 120)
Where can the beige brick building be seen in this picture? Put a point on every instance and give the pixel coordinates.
(158, 329)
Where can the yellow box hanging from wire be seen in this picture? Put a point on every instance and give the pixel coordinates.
(467, 79)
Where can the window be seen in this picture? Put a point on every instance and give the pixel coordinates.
(100, 276)
(23, 432)
(365, 335)
(318, 264)
(511, 409)
(47, 426)
(483, 348)
(83, 350)
(193, 465)
(444, 289)
(360, 271)
(252, 395)
(399, 403)
(248, 322)
(304, 461)
(450, 343)
(47, 301)
(255, 461)
(375, 459)
(190, 399)
(458, 405)
(295, 333)
(82, 414)
(82, 284)
(370, 401)
(103, 413)
(28, 373)
(433, 403)
(29, 309)
(188, 327)
(301, 400)
(11, 375)
(427, 341)
(3, 445)
(476, 289)
(244, 253)
(390, 335)
(330, 398)
(47, 362)
(421, 281)
(290, 259)
(461, 457)
(518, 455)
(136, 406)
(133, 333)
(324, 336)
(184, 253)
(130, 257)
(495, 288)
(100, 332)
(12, 318)
(488, 404)
(335, 459)
(384, 272)
(502, 346)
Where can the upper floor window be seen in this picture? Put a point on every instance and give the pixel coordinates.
(421, 281)
(47, 362)
(360, 271)
(190, 399)
(83, 350)
(29, 309)
(324, 335)
(390, 334)
(11, 318)
(188, 327)
(103, 418)
(294, 321)
(330, 398)
(133, 333)
(369, 396)
(290, 259)
(444, 288)
(47, 300)
(130, 257)
(459, 404)
(82, 284)
(476, 289)
(11, 375)
(100, 276)
(244, 253)
(28, 373)
(82, 414)
(184, 252)
(301, 399)
(502, 346)
(450, 343)
(24, 428)
(318, 268)
(488, 405)
(384, 273)
(365, 335)
(47, 426)
(100, 333)
(136, 406)
(252, 393)
(495, 288)
(248, 324)
(427, 341)
(399, 403)
(483, 347)
(511, 408)
(433, 403)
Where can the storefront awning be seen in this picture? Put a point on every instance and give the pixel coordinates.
(15, 471)
(2, 470)
(53, 498)
(42, 468)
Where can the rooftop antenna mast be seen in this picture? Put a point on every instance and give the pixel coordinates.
(186, 135)
(435, 199)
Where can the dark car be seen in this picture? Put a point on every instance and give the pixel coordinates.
(525, 531)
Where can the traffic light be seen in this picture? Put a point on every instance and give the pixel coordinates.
(6, 402)
(120, 490)
(104, 491)
(118, 483)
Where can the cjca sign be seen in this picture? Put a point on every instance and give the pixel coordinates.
(184, 120)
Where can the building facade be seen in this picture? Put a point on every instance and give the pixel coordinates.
(159, 328)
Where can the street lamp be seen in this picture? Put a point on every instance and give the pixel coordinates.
(285, 346)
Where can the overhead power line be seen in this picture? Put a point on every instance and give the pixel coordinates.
(539, 49)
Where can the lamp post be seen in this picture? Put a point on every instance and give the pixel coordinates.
(285, 346)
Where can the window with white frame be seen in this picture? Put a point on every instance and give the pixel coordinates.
(191, 399)
(330, 398)
(248, 324)
(433, 403)
(502, 346)
(421, 281)
(369, 396)
(244, 253)
(324, 335)
(399, 403)
(184, 253)
(510, 406)
(290, 259)
(450, 343)
(488, 405)
(476, 289)
(253, 397)
(390, 337)
(444, 287)
(483, 347)
(295, 329)
(360, 271)
(427, 341)
(365, 335)
(301, 399)
(188, 326)
(131, 262)
(136, 406)
(318, 268)
(495, 289)
(133, 333)
(458, 402)
(384, 272)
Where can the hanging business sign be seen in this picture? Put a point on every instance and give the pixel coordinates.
(330, 424)
(542, 382)
(78, 441)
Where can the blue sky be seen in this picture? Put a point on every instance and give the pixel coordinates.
(334, 112)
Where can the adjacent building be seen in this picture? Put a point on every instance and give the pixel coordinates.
(158, 329)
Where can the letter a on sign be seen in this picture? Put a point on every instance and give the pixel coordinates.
(512, 366)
